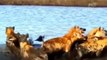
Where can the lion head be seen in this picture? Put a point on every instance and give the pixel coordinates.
(10, 33)
(10, 30)
(75, 33)
(96, 33)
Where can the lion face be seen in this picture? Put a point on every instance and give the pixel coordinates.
(75, 33)
(97, 32)
(79, 32)
(100, 32)
(10, 33)
(9, 30)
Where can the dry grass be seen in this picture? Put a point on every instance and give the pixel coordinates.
(56, 2)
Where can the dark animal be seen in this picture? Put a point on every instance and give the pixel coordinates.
(40, 38)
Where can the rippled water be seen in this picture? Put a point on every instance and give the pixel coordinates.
(50, 21)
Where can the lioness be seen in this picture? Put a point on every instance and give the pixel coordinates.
(65, 42)
(12, 39)
(95, 43)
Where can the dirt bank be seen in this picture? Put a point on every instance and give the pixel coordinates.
(56, 2)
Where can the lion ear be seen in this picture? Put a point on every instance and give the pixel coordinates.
(76, 26)
(101, 28)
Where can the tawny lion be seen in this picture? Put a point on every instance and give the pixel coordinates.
(12, 41)
(95, 44)
(65, 42)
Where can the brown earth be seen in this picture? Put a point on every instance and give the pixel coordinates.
(92, 3)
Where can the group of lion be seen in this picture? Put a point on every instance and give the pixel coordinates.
(74, 45)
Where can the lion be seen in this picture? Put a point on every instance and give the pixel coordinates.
(25, 51)
(59, 46)
(92, 49)
(10, 33)
(95, 43)
(12, 41)
(65, 42)
(28, 52)
(12, 36)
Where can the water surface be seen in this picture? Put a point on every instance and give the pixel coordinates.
(50, 21)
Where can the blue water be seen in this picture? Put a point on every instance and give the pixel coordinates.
(50, 21)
